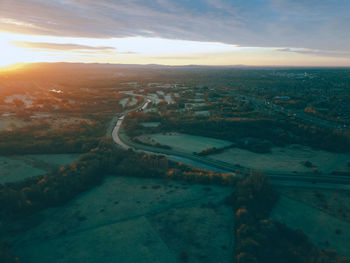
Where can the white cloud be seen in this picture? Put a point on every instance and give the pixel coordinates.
(272, 23)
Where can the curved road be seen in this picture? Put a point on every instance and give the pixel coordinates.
(118, 125)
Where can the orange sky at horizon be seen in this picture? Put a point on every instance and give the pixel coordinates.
(176, 32)
(24, 48)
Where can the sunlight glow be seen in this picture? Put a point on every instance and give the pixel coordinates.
(18, 48)
(26, 48)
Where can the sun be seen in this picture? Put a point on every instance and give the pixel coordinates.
(12, 67)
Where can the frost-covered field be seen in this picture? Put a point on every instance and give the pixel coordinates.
(154, 97)
(286, 159)
(168, 98)
(124, 102)
(11, 123)
(133, 220)
(202, 112)
(322, 229)
(150, 124)
(18, 167)
(184, 142)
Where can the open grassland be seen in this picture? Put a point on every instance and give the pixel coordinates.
(168, 98)
(184, 142)
(202, 112)
(54, 121)
(194, 105)
(161, 221)
(150, 124)
(128, 101)
(12, 170)
(334, 202)
(287, 159)
(11, 123)
(124, 102)
(154, 97)
(18, 167)
(133, 101)
(324, 230)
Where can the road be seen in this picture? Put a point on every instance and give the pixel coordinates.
(267, 106)
(117, 127)
(297, 180)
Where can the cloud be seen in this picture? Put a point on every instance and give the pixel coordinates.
(310, 24)
(60, 47)
(177, 57)
(316, 52)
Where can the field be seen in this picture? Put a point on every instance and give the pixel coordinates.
(124, 102)
(55, 121)
(134, 219)
(194, 105)
(159, 222)
(287, 159)
(334, 202)
(168, 98)
(128, 101)
(184, 142)
(150, 124)
(324, 230)
(17, 167)
(9, 123)
(154, 97)
(202, 112)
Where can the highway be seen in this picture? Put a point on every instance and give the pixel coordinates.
(267, 107)
(117, 127)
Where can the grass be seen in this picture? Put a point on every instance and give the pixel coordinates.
(18, 167)
(124, 102)
(12, 170)
(150, 124)
(168, 98)
(107, 224)
(187, 158)
(185, 142)
(321, 228)
(8, 123)
(202, 112)
(332, 201)
(287, 159)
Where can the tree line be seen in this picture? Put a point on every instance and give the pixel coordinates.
(263, 132)
(259, 239)
(24, 198)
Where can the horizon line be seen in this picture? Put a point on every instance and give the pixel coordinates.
(23, 64)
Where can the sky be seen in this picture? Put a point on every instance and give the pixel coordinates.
(177, 32)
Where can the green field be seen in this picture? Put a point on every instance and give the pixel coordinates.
(150, 124)
(184, 142)
(202, 112)
(156, 223)
(18, 167)
(286, 159)
(322, 229)
(124, 102)
(9, 123)
(168, 98)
